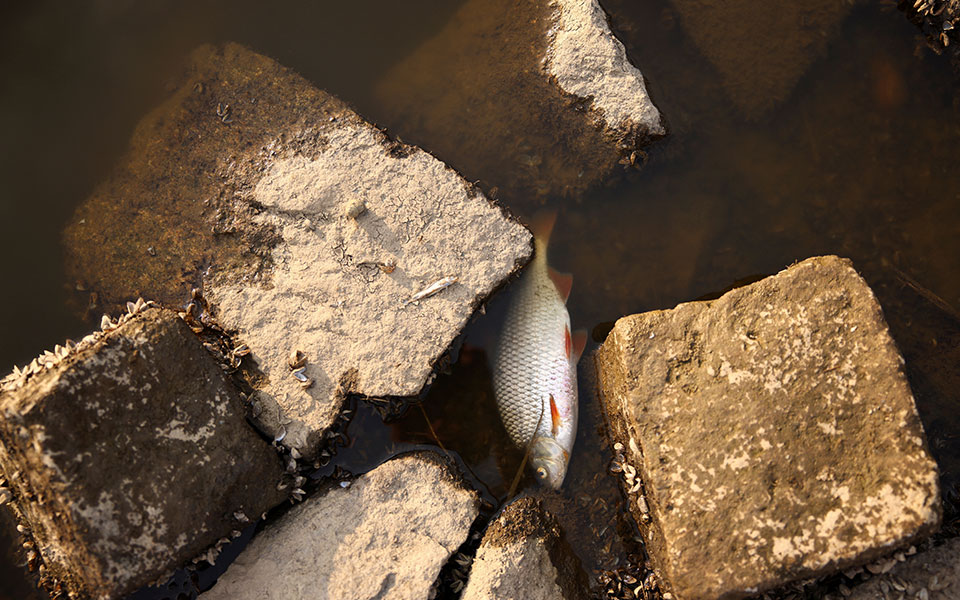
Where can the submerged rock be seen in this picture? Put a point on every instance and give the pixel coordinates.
(933, 575)
(761, 49)
(938, 21)
(307, 229)
(523, 555)
(129, 454)
(771, 432)
(536, 98)
(385, 535)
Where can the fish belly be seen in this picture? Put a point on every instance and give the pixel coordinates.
(531, 361)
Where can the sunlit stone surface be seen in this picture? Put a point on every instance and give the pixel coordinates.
(523, 556)
(536, 98)
(131, 455)
(308, 230)
(773, 430)
(387, 535)
(933, 574)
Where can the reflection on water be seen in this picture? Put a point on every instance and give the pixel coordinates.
(859, 160)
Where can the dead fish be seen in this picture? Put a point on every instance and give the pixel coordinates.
(535, 370)
(432, 289)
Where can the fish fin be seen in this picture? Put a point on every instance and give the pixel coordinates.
(562, 281)
(554, 417)
(567, 342)
(542, 224)
(579, 343)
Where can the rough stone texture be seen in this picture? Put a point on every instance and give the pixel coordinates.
(552, 90)
(307, 228)
(936, 570)
(522, 556)
(385, 536)
(129, 455)
(773, 430)
(761, 49)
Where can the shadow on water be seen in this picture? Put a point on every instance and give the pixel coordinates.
(858, 160)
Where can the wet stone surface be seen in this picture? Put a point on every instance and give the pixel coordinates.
(386, 534)
(717, 405)
(310, 232)
(523, 555)
(560, 106)
(933, 574)
(761, 50)
(129, 455)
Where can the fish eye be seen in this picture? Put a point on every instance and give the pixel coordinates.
(541, 473)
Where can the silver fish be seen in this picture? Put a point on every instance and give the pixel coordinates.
(535, 370)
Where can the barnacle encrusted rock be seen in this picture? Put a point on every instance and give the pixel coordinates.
(250, 182)
(761, 49)
(936, 570)
(550, 87)
(523, 555)
(386, 535)
(939, 21)
(129, 454)
(774, 432)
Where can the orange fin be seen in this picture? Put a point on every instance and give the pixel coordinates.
(579, 343)
(554, 416)
(562, 281)
(542, 225)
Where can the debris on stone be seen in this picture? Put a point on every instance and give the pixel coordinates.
(939, 21)
(931, 575)
(386, 535)
(305, 227)
(761, 49)
(128, 452)
(770, 434)
(523, 555)
(560, 105)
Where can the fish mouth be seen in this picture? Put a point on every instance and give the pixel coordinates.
(548, 461)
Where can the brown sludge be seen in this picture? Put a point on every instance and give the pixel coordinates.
(772, 433)
(129, 455)
(307, 229)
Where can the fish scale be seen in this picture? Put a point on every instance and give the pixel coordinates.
(535, 362)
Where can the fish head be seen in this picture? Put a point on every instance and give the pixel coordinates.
(548, 460)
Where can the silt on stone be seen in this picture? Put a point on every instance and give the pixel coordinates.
(560, 105)
(523, 555)
(307, 229)
(385, 535)
(773, 430)
(129, 455)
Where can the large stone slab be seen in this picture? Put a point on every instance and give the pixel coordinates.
(386, 535)
(551, 89)
(129, 454)
(933, 574)
(522, 555)
(761, 49)
(771, 432)
(307, 229)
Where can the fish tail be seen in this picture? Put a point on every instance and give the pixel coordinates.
(542, 226)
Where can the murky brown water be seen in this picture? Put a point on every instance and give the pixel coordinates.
(859, 159)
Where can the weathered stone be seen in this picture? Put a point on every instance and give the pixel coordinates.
(129, 454)
(387, 535)
(523, 555)
(309, 230)
(552, 90)
(760, 49)
(936, 570)
(773, 430)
